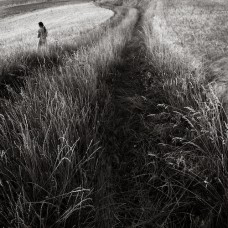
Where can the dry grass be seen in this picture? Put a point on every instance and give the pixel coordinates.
(194, 151)
(50, 136)
(11, 3)
(90, 142)
(201, 26)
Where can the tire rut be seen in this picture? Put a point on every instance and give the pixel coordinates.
(124, 148)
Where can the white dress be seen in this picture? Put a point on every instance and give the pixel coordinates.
(42, 34)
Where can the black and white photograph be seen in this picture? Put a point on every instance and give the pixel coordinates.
(113, 113)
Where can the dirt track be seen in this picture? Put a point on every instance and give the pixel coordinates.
(118, 207)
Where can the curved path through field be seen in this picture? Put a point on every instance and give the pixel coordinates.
(117, 203)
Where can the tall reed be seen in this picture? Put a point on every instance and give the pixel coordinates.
(50, 135)
(196, 148)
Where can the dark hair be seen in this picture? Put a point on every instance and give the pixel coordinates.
(41, 24)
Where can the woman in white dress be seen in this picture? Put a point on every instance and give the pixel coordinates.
(42, 35)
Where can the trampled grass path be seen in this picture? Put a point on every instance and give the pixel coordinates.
(123, 130)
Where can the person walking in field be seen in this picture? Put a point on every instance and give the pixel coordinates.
(42, 35)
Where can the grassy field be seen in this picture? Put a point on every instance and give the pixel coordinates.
(68, 146)
(196, 145)
(120, 122)
(198, 30)
(10, 3)
(19, 33)
(12, 8)
(200, 25)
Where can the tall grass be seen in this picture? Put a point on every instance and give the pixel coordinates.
(165, 163)
(50, 134)
(195, 149)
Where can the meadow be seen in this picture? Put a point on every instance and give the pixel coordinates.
(10, 3)
(196, 119)
(19, 32)
(14, 7)
(118, 123)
